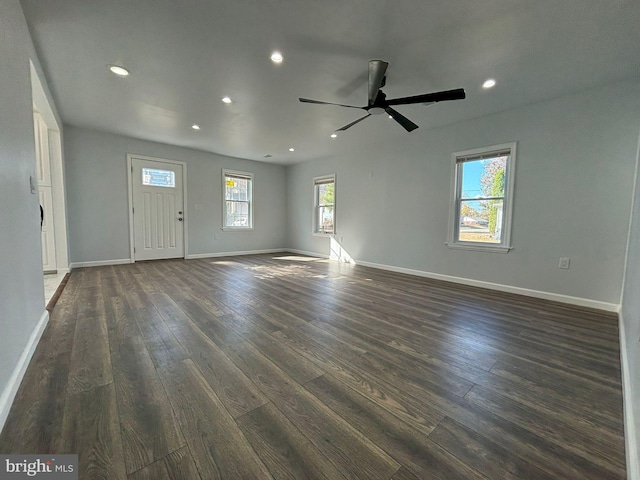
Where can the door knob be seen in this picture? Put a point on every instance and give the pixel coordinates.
(179, 219)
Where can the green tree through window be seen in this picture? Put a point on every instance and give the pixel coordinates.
(492, 181)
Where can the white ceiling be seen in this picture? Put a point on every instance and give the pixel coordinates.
(184, 56)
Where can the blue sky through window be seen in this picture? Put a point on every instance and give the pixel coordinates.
(471, 179)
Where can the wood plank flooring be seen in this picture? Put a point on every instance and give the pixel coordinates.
(285, 366)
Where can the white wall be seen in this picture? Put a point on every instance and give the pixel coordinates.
(573, 189)
(98, 219)
(630, 336)
(21, 284)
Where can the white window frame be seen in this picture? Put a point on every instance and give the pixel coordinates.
(243, 175)
(320, 181)
(456, 188)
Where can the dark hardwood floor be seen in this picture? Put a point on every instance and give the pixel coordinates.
(294, 367)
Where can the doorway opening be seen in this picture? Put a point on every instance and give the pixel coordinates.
(51, 189)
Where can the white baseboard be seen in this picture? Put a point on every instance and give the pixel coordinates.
(234, 254)
(10, 390)
(632, 442)
(556, 297)
(100, 263)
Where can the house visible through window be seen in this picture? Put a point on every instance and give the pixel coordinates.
(324, 193)
(482, 200)
(238, 200)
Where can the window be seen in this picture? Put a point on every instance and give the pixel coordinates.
(482, 198)
(158, 178)
(324, 203)
(237, 191)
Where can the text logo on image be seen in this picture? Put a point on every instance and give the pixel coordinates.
(51, 467)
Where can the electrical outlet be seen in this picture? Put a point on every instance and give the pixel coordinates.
(564, 263)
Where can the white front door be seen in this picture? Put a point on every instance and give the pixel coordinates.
(158, 209)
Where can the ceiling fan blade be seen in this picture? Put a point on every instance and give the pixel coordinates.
(377, 69)
(457, 94)
(408, 125)
(353, 123)
(308, 100)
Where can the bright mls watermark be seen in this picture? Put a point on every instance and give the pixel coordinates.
(51, 467)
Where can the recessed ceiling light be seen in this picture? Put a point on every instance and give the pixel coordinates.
(292, 149)
(195, 127)
(226, 99)
(276, 57)
(334, 135)
(120, 71)
(489, 83)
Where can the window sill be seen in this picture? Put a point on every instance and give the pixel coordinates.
(237, 229)
(479, 248)
(318, 234)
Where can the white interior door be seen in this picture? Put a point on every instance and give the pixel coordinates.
(158, 209)
(43, 165)
(43, 172)
(48, 241)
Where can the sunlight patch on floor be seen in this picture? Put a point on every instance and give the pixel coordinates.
(295, 258)
(223, 262)
(264, 272)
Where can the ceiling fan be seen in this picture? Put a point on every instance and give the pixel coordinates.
(379, 104)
